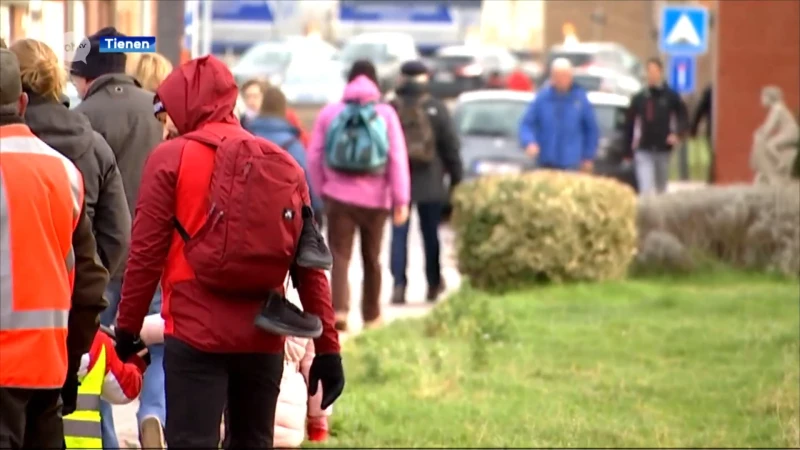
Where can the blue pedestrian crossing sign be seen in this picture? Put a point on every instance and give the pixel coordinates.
(683, 74)
(684, 30)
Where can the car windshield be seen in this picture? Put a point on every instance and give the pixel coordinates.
(272, 54)
(312, 73)
(363, 50)
(589, 82)
(497, 118)
(610, 118)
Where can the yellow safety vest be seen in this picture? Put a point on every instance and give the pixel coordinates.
(82, 428)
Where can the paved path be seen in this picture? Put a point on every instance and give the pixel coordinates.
(125, 416)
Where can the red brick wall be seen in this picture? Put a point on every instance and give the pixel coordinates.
(758, 44)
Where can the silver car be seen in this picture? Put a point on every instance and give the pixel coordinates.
(313, 82)
(600, 79)
(488, 121)
(269, 60)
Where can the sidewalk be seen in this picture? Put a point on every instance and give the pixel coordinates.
(125, 415)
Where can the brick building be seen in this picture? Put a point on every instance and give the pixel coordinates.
(633, 24)
(48, 20)
(759, 45)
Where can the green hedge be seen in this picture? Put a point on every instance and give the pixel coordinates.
(543, 226)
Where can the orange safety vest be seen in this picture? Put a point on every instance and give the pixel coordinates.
(41, 198)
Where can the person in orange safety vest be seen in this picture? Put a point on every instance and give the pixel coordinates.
(51, 280)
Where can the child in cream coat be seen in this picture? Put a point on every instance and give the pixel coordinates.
(297, 413)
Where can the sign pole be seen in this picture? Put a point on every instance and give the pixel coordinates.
(207, 22)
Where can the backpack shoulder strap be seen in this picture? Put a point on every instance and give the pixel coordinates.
(288, 143)
(205, 137)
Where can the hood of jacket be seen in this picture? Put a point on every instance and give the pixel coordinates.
(67, 131)
(361, 90)
(199, 92)
(268, 126)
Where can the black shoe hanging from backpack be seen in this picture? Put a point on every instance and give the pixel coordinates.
(279, 316)
(312, 252)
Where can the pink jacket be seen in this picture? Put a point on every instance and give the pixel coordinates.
(370, 191)
(294, 404)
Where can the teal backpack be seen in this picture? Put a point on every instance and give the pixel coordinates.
(357, 141)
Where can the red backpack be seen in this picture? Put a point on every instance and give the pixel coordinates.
(256, 197)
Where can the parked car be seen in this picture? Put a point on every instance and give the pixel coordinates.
(462, 68)
(531, 63)
(387, 50)
(601, 79)
(269, 60)
(311, 82)
(488, 121)
(72, 92)
(590, 54)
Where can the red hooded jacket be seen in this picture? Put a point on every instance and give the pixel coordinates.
(294, 120)
(518, 81)
(200, 94)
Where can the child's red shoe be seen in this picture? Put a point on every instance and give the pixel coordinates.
(317, 434)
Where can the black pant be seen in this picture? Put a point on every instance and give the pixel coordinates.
(31, 418)
(430, 216)
(199, 385)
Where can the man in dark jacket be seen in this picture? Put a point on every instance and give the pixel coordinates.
(71, 134)
(656, 121)
(122, 112)
(703, 112)
(428, 190)
(214, 353)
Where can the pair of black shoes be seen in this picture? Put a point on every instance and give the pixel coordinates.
(278, 315)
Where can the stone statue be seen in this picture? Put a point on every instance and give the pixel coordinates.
(775, 141)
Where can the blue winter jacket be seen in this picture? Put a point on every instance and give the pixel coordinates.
(282, 133)
(563, 125)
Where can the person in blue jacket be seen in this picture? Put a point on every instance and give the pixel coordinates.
(272, 125)
(559, 128)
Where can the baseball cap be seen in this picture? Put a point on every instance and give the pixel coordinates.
(10, 81)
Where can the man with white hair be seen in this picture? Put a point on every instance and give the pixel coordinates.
(433, 151)
(559, 127)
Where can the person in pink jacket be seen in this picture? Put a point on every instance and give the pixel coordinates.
(359, 202)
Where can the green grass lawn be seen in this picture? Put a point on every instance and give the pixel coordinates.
(706, 362)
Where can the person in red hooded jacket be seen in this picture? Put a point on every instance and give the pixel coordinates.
(518, 80)
(214, 355)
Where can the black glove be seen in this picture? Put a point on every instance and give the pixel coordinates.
(326, 368)
(127, 345)
(69, 394)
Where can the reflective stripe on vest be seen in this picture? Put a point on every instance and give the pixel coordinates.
(82, 428)
(41, 194)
